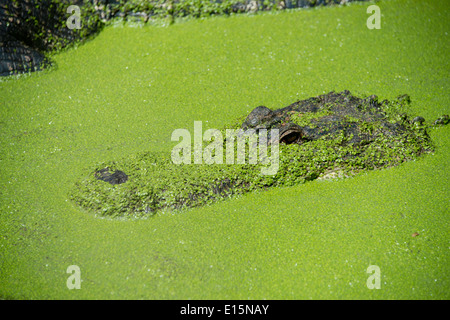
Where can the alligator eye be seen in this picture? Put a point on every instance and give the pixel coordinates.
(291, 134)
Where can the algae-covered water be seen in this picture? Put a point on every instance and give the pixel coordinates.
(129, 88)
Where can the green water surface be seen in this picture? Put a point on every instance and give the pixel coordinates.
(126, 91)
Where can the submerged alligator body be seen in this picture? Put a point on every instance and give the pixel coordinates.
(29, 29)
(330, 136)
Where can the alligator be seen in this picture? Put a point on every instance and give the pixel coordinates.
(30, 29)
(331, 136)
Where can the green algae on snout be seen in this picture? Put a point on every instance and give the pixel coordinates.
(341, 135)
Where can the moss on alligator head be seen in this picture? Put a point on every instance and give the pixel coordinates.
(332, 135)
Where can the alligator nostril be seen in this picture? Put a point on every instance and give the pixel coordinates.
(116, 177)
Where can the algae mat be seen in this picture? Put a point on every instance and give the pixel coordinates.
(129, 88)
